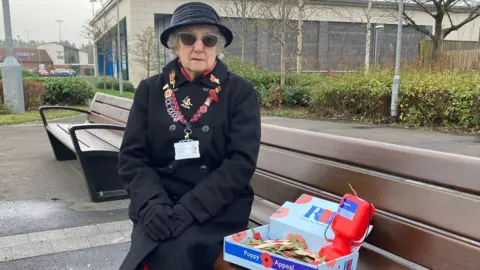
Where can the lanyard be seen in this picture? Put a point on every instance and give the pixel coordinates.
(173, 108)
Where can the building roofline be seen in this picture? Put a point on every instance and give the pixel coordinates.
(350, 3)
(109, 5)
(382, 4)
(58, 43)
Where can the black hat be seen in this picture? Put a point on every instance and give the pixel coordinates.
(195, 13)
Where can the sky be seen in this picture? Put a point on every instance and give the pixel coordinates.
(37, 19)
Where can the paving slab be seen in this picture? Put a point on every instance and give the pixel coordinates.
(21, 246)
(40, 193)
(103, 257)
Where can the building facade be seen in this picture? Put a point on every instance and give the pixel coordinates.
(66, 57)
(29, 58)
(333, 36)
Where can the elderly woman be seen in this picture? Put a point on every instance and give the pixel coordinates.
(189, 150)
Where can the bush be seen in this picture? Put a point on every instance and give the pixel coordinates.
(425, 99)
(34, 93)
(68, 91)
(113, 83)
(27, 73)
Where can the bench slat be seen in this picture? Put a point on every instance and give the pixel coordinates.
(87, 141)
(114, 139)
(418, 202)
(419, 245)
(63, 136)
(111, 112)
(94, 118)
(372, 260)
(449, 170)
(120, 102)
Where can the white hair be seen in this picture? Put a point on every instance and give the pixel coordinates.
(173, 42)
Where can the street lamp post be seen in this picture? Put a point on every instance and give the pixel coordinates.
(119, 52)
(59, 31)
(93, 7)
(94, 47)
(11, 69)
(396, 78)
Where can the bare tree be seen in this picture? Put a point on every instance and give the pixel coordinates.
(368, 36)
(439, 10)
(101, 32)
(367, 16)
(279, 13)
(243, 11)
(305, 10)
(144, 50)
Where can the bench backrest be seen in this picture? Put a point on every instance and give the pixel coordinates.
(108, 109)
(428, 202)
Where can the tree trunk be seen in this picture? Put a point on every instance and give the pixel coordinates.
(438, 40)
(242, 40)
(104, 71)
(436, 50)
(300, 38)
(368, 38)
(283, 74)
(244, 29)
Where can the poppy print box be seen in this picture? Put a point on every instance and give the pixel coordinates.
(306, 221)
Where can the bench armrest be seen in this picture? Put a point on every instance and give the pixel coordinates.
(46, 108)
(74, 128)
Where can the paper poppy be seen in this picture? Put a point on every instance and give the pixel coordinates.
(325, 216)
(266, 260)
(238, 237)
(257, 236)
(305, 198)
(281, 212)
(331, 263)
(299, 239)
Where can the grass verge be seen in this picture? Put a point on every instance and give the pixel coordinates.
(33, 116)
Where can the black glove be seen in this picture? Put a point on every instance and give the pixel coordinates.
(157, 223)
(181, 219)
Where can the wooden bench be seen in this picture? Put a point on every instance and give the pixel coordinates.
(95, 143)
(428, 203)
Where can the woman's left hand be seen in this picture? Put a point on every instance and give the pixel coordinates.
(181, 220)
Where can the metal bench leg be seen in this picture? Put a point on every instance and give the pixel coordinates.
(60, 150)
(101, 175)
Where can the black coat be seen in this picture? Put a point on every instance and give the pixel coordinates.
(214, 188)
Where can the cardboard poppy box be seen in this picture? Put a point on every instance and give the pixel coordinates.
(307, 219)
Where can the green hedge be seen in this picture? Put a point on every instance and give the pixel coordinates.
(426, 98)
(113, 83)
(68, 91)
(55, 91)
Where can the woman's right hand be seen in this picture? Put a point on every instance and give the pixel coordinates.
(157, 223)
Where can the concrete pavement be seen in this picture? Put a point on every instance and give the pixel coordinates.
(48, 222)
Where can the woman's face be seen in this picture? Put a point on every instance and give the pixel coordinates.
(196, 56)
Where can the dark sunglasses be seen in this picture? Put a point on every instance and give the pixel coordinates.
(188, 39)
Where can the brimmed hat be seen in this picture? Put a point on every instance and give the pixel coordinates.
(195, 13)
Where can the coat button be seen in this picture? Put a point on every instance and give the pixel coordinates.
(170, 168)
(203, 168)
(172, 127)
(205, 128)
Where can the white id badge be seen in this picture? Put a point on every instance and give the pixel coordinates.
(186, 150)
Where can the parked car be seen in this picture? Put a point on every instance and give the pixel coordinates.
(43, 73)
(63, 72)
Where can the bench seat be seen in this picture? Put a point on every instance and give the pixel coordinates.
(87, 140)
(95, 143)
